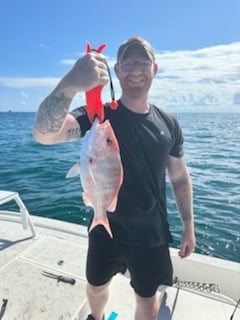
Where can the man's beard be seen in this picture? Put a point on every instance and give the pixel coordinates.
(134, 91)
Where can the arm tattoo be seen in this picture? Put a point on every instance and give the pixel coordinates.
(73, 134)
(183, 195)
(185, 212)
(52, 113)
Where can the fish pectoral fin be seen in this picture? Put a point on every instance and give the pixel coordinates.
(103, 222)
(74, 171)
(113, 204)
(86, 199)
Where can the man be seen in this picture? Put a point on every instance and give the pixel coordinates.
(150, 143)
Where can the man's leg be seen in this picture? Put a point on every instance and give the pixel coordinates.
(99, 270)
(147, 308)
(97, 299)
(149, 268)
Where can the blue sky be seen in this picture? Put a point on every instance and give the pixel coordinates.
(197, 46)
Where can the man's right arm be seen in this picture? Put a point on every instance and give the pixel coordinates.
(53, 122)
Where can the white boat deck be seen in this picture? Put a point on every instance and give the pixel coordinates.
(60, 248)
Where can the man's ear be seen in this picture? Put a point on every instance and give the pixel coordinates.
(116, 68)
(155, 70)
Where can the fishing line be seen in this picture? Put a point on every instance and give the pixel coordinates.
(113, 103)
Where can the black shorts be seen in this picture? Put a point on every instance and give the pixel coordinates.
(149, 267)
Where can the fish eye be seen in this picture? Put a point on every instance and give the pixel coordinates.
(109, 141)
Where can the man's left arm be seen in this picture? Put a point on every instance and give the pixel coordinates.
(182, 189)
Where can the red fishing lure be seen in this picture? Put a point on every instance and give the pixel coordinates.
(94, 103)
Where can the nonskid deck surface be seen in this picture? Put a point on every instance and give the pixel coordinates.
(60, 249)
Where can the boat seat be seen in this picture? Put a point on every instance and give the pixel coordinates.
(7, 196)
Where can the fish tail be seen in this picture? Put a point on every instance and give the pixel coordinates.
(103, 222)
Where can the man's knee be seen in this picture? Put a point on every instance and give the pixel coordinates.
(97, 291)
(147, 308)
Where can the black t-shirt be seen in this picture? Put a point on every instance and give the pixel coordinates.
(145, 141)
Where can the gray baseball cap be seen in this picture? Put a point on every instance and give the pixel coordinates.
(135, 41)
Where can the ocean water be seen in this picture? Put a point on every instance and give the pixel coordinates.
(212, 152)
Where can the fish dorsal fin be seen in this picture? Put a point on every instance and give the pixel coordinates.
(113, 205)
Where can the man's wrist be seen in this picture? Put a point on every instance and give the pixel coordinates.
(64, 88)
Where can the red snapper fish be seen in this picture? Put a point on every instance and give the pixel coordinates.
(100, 166)
(100, 170)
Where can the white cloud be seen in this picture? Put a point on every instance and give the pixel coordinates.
(24, 94)
(204, 77)
(209, 76)
(68, 62)
(71, 62)
(25, 82)
(44, 46)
